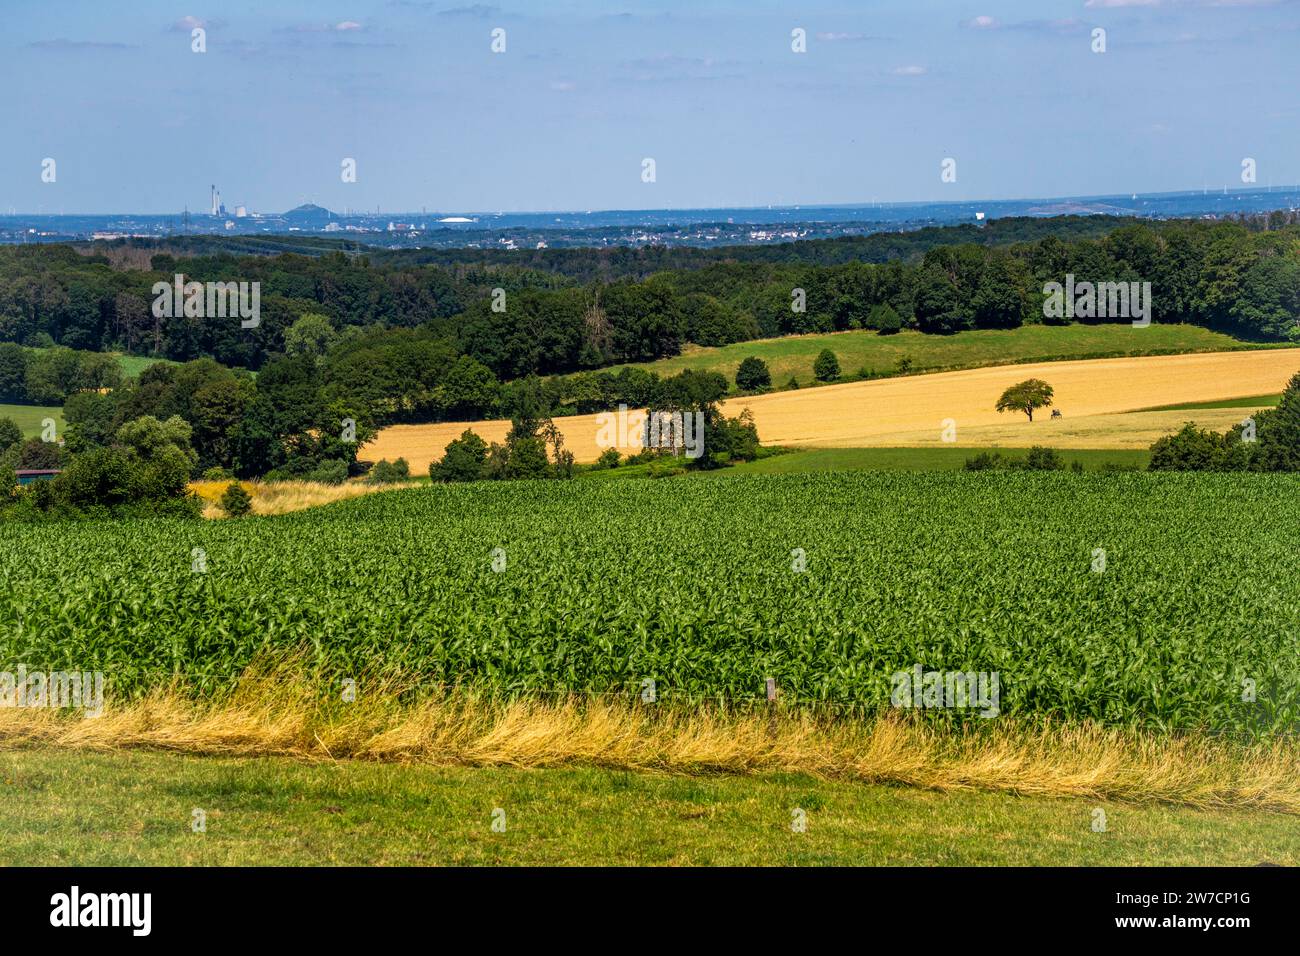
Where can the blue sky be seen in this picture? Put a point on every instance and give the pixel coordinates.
(587, 89)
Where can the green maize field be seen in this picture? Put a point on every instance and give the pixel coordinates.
(692, 584)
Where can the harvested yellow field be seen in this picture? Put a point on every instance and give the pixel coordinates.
(1092, 394)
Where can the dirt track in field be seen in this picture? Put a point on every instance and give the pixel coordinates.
(911, 411)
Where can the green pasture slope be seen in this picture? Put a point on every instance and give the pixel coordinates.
(694, 584)
(880, 354)
(29, 417)
(131, 365)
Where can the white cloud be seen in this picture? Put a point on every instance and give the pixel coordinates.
(910, 71)
(188, 23)
(980, 23)
(343, 26)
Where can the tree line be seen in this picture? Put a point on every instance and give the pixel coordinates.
(344, 339)
(528, 315)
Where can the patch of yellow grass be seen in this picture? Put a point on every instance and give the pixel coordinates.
(281, 497)
(912, 410)
(276, 714)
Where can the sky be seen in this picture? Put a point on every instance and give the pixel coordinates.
(586, 90)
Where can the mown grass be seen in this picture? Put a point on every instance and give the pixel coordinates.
(29, 417)
(60, 807)
(880, 354)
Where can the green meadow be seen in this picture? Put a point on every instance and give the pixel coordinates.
(133, 808)
(881, 354)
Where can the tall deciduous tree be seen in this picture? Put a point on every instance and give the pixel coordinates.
(1026, 396)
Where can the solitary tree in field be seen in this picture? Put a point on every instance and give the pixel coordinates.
(827, 366)
(1026, 396)
(753, 375)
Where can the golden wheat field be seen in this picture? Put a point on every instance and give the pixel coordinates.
(1093, 396)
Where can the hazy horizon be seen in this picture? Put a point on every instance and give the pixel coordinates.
(1280, 188)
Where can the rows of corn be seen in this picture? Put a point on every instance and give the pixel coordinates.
(1155, 601)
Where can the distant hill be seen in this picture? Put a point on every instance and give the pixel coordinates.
(308, 214)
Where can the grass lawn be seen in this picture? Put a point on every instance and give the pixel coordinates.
(28, 417)
(880, 354)
(63, 807)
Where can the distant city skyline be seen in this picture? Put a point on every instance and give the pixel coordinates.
(583, 93)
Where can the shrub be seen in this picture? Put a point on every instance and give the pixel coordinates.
(464, 460)
(609, 458)
(495, 463)
(235, 501)
(1192, 449)
(217, 474)
(34, 453)
(739, 436)
(984, 461)
(333, 471)
(105, 476)
(664, 468)
(1041, 459)
(793, 383)
(10, 434)
(527, 459)
(884, 319)
(753, 375)
(827, 366)
(1277, 445)
(386, 472)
